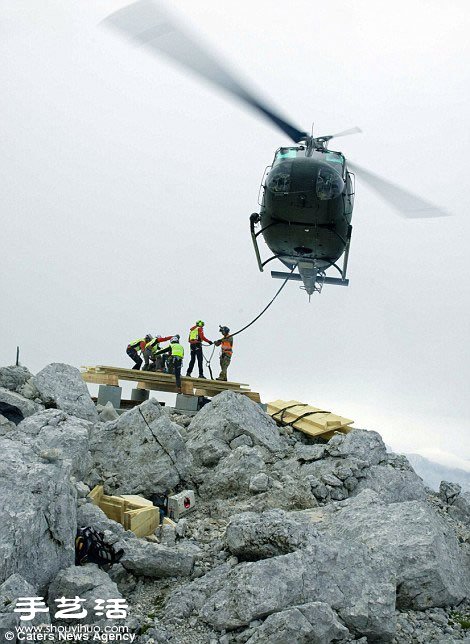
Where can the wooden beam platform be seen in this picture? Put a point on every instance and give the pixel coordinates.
(158, 381)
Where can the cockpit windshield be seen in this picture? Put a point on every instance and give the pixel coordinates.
(284, 154)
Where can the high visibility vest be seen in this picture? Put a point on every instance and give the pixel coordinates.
(194, 334)
(226, 346)
(135, 344)
(177, 350)
(153, 345)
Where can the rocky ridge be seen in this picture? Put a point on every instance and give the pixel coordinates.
(291, 540)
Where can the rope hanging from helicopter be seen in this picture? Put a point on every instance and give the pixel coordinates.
(208, 361)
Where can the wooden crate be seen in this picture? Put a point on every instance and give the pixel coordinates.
(130, 510)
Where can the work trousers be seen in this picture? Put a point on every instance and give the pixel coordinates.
(224, 363)
(176, 364)
(148, 356)
(196, 352)
(132, 353)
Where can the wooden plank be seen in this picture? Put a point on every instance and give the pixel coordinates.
(152, 376)
(135, 502)
(143, 521)
(101, 379)
(319, 423)
(96, 494)
(113, 507)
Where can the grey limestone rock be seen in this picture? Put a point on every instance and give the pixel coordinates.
(393, 485)
(6, 426)
(421, 546)
(108, 412)
(10, 591)
(312, 623)
(61, 385)
(259, 482)
(16, 407)
(359, 443)
(90, 515)
(88, 582)
(449, 491)
(54, 429)
(233, 473)
(227, 417)
(252, 536)
(37, 515)
(460, 508)
(143, 449)
(305, 453)
(155, 560)
(359, 586)
(14, 377)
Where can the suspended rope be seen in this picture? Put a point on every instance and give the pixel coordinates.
(208, 361)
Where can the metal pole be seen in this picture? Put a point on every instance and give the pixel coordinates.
(17, 356)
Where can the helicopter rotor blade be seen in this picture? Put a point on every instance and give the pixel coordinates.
(351, 130)
(405, 202)
(147, 23)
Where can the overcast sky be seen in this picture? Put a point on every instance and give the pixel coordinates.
(127, 185)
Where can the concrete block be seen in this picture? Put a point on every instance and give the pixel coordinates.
(109, 393)
(181, 503)
(140, 395)
(187, 403)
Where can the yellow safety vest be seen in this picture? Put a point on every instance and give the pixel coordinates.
(153, 345)
(177, 350)
(135, 344)
(194, 334)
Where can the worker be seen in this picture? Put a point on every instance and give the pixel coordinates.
(176, 351)
(149, 354)
(196, 337)
(226, 351)
(135, 347)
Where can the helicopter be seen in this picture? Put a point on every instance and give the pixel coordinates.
(307, 193)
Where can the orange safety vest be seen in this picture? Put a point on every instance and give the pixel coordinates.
(226, 346)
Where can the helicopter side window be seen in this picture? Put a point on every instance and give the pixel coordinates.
(329, 184)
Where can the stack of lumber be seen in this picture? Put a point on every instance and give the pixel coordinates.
(105, 375)
(312, 421)
(133, 512)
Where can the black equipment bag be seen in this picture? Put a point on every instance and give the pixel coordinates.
(90, 547)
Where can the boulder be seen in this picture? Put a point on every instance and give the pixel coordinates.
(460, 508)
(37, 514)
(228, 417)
(251, 536)
(53, 429)
(15, 407)
(61, 385)
(233, 473)
(449, 492)
(312, 623)
(90, 515)
(142, 449)
(6, 426)
(11, 590)
(352, 580)
(392, 484)
(420, 545)
(14, 377)
(362, 444)
(87, 582)
(154, 560)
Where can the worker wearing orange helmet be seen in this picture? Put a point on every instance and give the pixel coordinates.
(196, 338)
